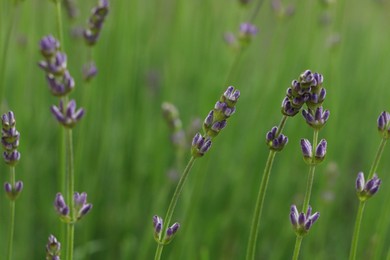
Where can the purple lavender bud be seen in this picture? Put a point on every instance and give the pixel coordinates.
(360, 183)
(209, 120)
(197, 139)
(157, 224)
(306, 79)
(371, 187)
(79, 199)
(271, 134)
(306, 148)
(49, 46)
(173, 229)
(200, 145)
(383, 124)
(18, 186)
(89, 71)
(61, 207)
(216, 128)
(288, 109)
(321, 151)
(95, 22)
(60, 86)
(84, 211)
(68, 117)
(322, 95)
(317, 118)
(8, 120)
(318, 79)
(11, 158)
(302, 222)
(247, 30)
(205, 147)
(8, 187)
(229, 111)
(53, 248)
(230, 97)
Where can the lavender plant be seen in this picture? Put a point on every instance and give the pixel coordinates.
(313, 153)
(366, 189)
(61, 84)
(215, 121)
(10, 141)
(297, 94)
(91, 35)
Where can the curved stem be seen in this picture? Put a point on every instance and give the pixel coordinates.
(355, 237)
(172, 206)
(70, 188)
(12, 224)
(250, 254)
(297, 248)
(310, 178)
(378, 156)
(254, 232)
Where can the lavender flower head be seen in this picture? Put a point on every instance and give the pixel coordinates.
(200, 145)
(13, 192)
(89, 71)
(68, 116)
(169, 233)
(316, 118)
(81, 206)
(95, 22)
(384, 124)
(53, 248)
(302, 222)
(307, 152)
(10, 139)
(366, 190)
(54, 64)
(274, 142)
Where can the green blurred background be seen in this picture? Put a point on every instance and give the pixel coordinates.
(155, 51)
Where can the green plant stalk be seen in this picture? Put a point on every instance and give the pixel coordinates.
(4, 57)
(306, 200)
(12, 224)
(356, 231)
(254, 232)
(378, 157)
(70, 182)
(59, 24)
(297, 248)
(256, 11)
(172, 206)
(359, 217)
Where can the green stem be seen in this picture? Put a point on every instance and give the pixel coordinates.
(4, 57)
(70, 188)
(310, 178)
(297, 248)
(59, 25)
(172, 206)
(250, 254)
(254, 232)
(355, 237)
(234, 66)
(256, 11)
(12, 224)
(378, 156)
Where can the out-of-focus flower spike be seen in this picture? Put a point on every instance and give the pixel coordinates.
(53, 249)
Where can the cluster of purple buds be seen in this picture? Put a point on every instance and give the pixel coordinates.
(89, 71)
(14, 191)
(95, 22)
(53, 249)
(316, 118)
(384, 124)
(10, 139)
(302, 222)
(223, 109)
(276, 142)
(366, 190)
(245, 34)
(200, 145)
(67, 116)
(306, 90)
(158, 228)
(58, 77)
(307, 151)
(281, 10)
(171, 116)
(81, 207)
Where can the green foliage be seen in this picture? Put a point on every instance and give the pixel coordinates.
(155, 51)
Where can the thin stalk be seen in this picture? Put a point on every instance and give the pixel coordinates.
(378, 156)
(310, 178)
(234, 66)
(256, 11)
(4, 57)
(306, 200)
(12, 224)
(356, 231)
(172, 206)
(254, 232)
(59, 24)
(70, 170)
(297, 248)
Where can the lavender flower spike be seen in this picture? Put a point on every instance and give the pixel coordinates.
(53, 249)
(68, 116)
(307, 151)
(302, 222)
(367, 190)
(10, 139)
(95, 22)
